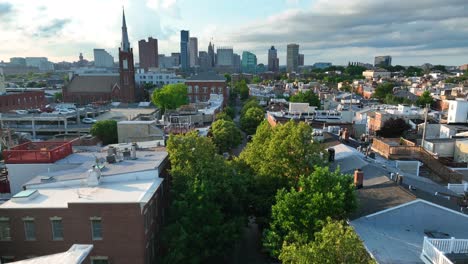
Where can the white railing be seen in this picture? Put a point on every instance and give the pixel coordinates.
(434, 250)
(458, 188)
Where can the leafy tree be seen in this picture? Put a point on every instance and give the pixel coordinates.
(393, 128)
(306, 97)
(355, 70)
(439, 68)
(223, 116)
(346, 88)
(228, 77)
(413, 71)
(394, 100)
(383, 89)
(335, 243)
(149, 86)
(206, 214)
(256, 79)
(277, 156)
(251, 119)
(170, 96)
(424, 99)
(105, 130)
(249, 104)
(226, 135)
(243, 90)
(230, 111)
(58, 97)
(301, 212)
(31, 84)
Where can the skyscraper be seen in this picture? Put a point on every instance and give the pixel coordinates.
(127, 92)
(224, 56)
(249, 62)
(103, 59)
(193, 52)
(292, 57)
(300, 60)
(148, 53)
(184, 51)
(383, 61)
(204, 60)
(212, 54)
(236, 62)
(273, 61)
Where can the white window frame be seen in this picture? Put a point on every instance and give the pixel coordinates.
(93, 237)
(52, 219)
(29, 219)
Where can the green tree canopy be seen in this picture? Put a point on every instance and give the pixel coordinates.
(226, 135)
(335, 243)
(249, 104)
(355, 70)
(413, 71)
(206, 214)
(223, 116)
(424, 99)
(228, 77)
(393, 128)
(383, 89)
(106, 131)
(242, 89)
(306, 97)
(277, 156)
(439, 68)
(58, 97)
(170, 96)
(302, 211)
(230, 111)
(251, 119)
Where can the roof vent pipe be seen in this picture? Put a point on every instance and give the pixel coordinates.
(133, 151)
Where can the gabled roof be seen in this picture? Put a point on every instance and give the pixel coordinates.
(93, 83)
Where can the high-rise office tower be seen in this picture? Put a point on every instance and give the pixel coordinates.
(236, 62)
(383, 61)
(148, 53)
(273, 61)
(300, 60)
(103, 59)
(292, 57)
(193, 52)
(224, 56)
(249, 62)
(212, 54)
(204, 60)
(184, 50)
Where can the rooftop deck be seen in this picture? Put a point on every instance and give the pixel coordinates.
(37, 152)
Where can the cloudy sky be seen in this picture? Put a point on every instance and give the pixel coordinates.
(338, 31)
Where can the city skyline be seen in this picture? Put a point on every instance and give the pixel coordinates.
(334, 32)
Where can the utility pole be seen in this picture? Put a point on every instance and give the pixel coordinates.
(425, 125)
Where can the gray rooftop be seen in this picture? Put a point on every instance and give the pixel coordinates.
(396, 235)
(206, 76)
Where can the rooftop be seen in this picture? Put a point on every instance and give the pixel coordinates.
(75, 255)
(206, 76)
(396, 235)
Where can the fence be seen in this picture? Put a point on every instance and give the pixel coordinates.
(435, 249)
(403, 149)
(37, 152)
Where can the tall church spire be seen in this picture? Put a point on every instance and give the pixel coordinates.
(125, 45)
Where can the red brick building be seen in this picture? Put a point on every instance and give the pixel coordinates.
(118, 209)
(200, 86)
(148, 52)
(24, 100)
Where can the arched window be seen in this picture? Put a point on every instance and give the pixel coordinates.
(196, 88)
(189, 89)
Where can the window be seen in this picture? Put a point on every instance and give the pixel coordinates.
(6, 259)
(57, 228)
(189, 88)
(99, 260)
(96, 228)
(29, 229)
(5, 234)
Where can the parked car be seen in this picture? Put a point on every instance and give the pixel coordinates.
(65, 111)
(88, 120)
(21, 112)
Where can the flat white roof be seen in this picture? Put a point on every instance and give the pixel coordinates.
(132, 188)
(396, 235)
(75, 255)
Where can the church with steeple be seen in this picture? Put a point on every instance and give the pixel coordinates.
(117, 87)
